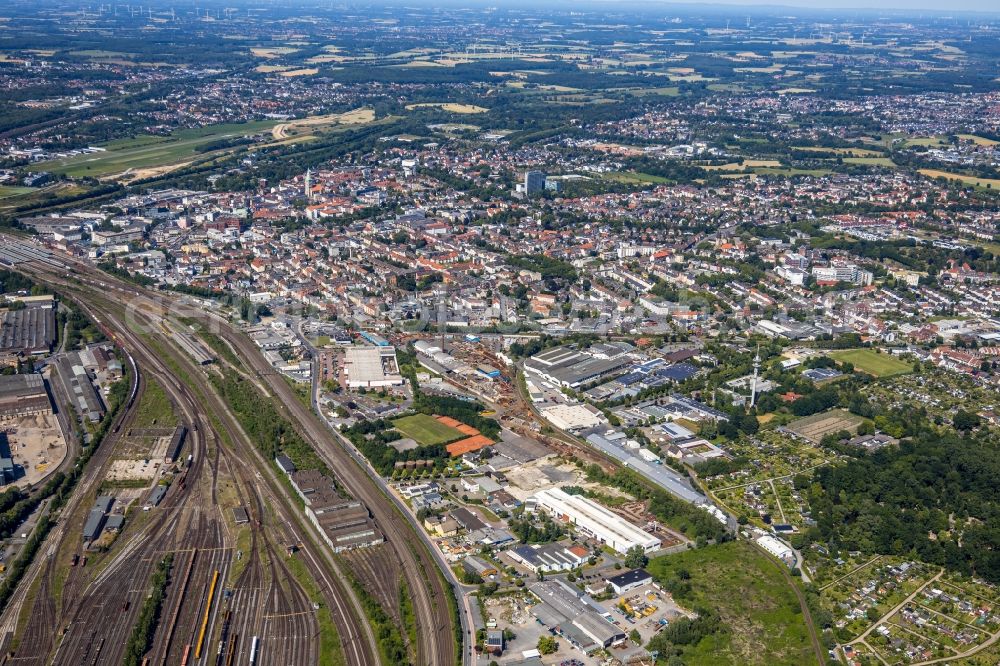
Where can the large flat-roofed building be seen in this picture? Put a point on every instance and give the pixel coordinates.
(572, 368)
(371, 367)
(23, 395)
(78, 388)
(596, 521)
(575, 616)
(344, 523)
(573, 417)
(31, 330)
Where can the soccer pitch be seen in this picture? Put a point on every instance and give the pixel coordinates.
(426, 430)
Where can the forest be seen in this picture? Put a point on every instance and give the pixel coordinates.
(934, 497)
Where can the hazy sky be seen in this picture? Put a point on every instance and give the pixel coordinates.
(992, 6)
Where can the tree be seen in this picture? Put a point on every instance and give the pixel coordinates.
(636, 558)
(635, 637)
(964, 420)
(749, 423)
(547, 644)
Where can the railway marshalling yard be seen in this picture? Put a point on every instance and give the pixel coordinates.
(242, 562)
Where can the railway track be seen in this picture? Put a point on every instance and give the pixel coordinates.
(293, 614)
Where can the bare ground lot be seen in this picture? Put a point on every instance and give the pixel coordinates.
(36, 444)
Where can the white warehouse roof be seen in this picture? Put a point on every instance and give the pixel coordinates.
(594, 519)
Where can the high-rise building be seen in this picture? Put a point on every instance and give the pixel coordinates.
(534, 182)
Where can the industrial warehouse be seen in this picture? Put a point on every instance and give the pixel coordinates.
(78, 388)
(23, 395)
(371, 367)
(575, 616)
(595, 521)
(30, 330)
(572, 368)
(345, 524)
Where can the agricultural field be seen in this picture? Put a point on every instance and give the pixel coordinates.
(990, 183)
(312, 124)
(451, 107)
(872, 362)
(131, 156)
(426, 430)
(760, 619)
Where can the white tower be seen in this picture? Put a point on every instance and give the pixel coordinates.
(753, 382)
(309, 180)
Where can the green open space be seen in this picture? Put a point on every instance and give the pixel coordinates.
(633, 177)
(426, 430)
(155, 409)
(12, 191)
(873, 362)
(759, 617)
(147, 152)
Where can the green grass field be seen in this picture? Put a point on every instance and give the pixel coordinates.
(426, 430)
(146, 152)
(155, 409)
(870, 361)
(634, 177)
(12, 191)
(761, 619)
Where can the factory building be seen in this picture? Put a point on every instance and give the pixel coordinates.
(31, 330)
(572, 368)
(595, 521)
(23, 395)
(574, 616)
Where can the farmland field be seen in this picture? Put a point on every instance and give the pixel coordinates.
(451, 107)
(426, 430)
(760, 619)
(968, 180)
(867, 360)
(147, 152)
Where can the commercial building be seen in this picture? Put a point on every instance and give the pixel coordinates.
(549, 557)
(534, 182)
(572, 417)
(23, 395)
(630, 580)
(595, 521)
(371, 367)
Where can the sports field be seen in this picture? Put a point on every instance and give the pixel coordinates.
(147, 152)
(870, 361)
(426, 430)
